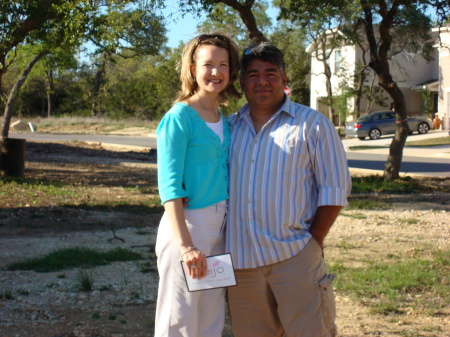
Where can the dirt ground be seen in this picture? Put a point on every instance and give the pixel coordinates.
(124, 181)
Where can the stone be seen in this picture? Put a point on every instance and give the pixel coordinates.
(23, 126)
(20, 126)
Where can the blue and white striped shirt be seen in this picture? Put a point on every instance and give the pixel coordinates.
(278, 178)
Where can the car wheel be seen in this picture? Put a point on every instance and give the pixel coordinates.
(361, 138)
(423, 128)
(374, 134)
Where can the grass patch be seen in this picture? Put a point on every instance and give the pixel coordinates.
(35, 192)
(376, 183)
(78, 257)
(149, 265)
(84, 280)
(409, 221)
(429, 142)
(365, 147)
(23, 292)
(354, 216)
(395, 287)
(29, 192)
(6, 294)
(367, 203)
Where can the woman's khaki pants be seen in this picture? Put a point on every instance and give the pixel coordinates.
(180, 313)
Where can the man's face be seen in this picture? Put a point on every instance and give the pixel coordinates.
(263, 85)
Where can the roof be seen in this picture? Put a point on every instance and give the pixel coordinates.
(431, 85)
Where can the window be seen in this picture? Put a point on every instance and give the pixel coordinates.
(337, 61)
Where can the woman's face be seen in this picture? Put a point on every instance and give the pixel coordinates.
(211, 69)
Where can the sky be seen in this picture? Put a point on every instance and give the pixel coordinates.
(184, 28)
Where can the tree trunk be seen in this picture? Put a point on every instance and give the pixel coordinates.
(98, 84)
(246, 14)
(359, 90)
(12, 156)
(394, 161)
(50, 93)
(379, 56)
(371, 100)
(327, 73)
(14, 93)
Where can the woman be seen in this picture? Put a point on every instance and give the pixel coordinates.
(193, 141)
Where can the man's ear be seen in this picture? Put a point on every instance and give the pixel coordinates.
(285, 79)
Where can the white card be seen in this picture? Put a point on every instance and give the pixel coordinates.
(220, 274)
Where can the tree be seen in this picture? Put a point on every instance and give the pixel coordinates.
(15, 91)
(243, 8)
(323, 25)
(44, 23)
(223, 18)
(403, 16)
(47, 71)
(61, 25)
(386, 25)
(291, 41)
(142, 87)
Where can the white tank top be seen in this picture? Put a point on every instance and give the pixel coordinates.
(217, 128)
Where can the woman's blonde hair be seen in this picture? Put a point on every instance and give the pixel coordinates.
(188, 82)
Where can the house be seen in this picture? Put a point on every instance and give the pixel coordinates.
(443, 86)
(415, 76)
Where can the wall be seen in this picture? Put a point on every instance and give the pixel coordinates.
(444, 78)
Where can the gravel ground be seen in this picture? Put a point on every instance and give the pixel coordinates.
(123, 300)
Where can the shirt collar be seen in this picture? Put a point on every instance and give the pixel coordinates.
(286, 107)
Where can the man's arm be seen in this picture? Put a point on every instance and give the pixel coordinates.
(322, 222)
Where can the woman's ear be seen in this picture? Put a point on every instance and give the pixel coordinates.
(192, 68)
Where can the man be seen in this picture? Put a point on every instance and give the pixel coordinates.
(288, 181)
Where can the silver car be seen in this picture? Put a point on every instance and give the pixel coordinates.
(380, 123)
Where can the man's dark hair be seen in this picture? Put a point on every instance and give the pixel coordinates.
(264, 51)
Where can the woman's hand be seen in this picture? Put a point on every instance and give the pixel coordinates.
(195, 261)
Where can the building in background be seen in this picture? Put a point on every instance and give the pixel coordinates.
(420, 80)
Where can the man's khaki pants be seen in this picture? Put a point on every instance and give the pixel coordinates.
(292, 298)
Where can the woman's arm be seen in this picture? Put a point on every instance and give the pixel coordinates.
(189, 253)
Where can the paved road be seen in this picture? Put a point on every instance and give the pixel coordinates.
(433, 161)
(432, 167)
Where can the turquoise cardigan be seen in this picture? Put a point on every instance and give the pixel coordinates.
(192, 162)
